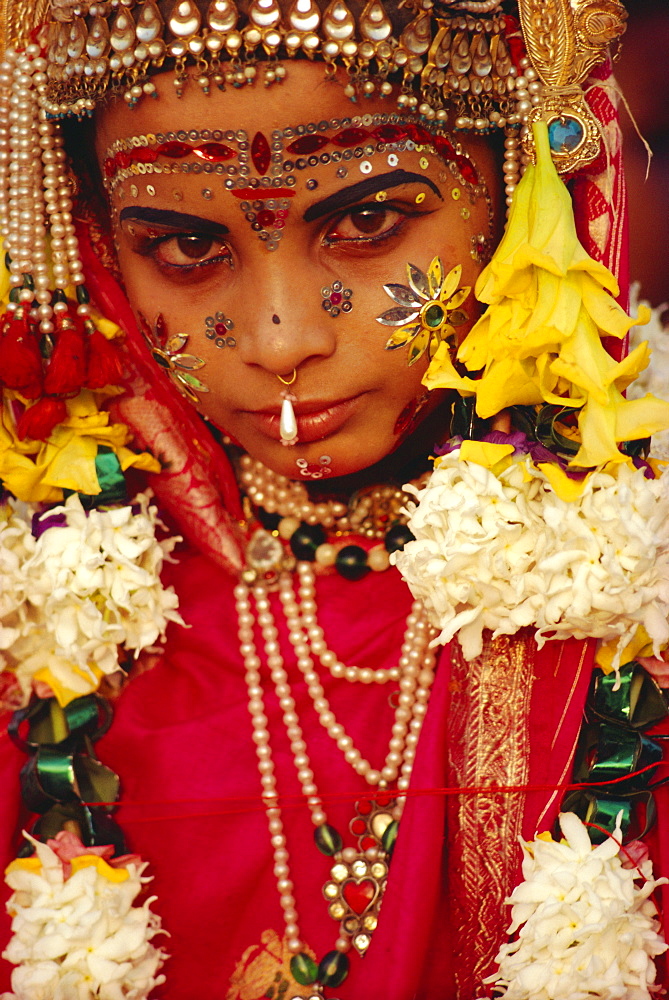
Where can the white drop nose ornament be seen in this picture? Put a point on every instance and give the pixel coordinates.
(288, 421)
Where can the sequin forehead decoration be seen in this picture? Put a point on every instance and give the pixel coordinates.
(262, 172)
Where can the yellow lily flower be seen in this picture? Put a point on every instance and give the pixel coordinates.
(540, 339)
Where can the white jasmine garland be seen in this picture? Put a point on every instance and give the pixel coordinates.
(501, 552)
(81, 935)
(585, 925)
(82, 590)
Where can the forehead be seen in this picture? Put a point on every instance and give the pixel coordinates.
(262, 149)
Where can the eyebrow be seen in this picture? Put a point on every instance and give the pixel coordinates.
(348, 196)
(173, 220)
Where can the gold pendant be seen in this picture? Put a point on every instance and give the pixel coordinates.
(358, 877)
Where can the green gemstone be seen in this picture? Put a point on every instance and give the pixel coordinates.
(327, 839)
(303, 968)
(161, 360)
(390, 836)
(333, 969)
(434, 315)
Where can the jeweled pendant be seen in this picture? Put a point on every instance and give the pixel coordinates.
(185, 19)
(222, 15)
(149, 23)
(304, 15)
(123, 32)
(338, 22)
(375, 25)
(288, 423)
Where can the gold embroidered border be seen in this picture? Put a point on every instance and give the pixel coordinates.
(489, 745)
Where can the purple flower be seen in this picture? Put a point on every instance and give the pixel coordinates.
(42, 522)
(641, 463)
(451, 445)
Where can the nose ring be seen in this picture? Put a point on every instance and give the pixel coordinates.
(287, 421)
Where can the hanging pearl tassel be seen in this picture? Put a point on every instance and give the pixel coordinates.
(288, 423)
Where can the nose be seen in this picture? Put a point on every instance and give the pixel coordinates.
(281, 321)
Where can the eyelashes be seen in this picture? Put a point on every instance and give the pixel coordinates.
(369, 223)
(194, 254)
(182, 253)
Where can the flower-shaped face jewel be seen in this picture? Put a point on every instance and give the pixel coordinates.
(337, 299)
(166, 352)
(427, 310)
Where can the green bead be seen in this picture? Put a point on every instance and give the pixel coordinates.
(390, 836)
(14, 295)
(327, 839)
(303, 968)
(434, 315)
(82, 295)
(351, 562)
(333, 969)
(305, 541)
(397, 537)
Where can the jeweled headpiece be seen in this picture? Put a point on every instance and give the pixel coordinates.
(451, 58)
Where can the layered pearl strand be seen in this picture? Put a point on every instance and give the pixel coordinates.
(414, 673)
(36, 194)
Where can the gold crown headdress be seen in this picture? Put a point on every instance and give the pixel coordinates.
(453, 58)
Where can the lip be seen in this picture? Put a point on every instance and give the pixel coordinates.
(316, 419)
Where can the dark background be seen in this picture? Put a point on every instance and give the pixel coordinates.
(643, 75)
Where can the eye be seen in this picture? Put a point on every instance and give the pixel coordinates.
(369, 223)
(189, 250)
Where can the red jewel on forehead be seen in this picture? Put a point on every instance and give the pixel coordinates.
(260, 153)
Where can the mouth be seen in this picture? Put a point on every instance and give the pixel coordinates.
(316, 419)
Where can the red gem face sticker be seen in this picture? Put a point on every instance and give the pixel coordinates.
(350, 137)
(266, 218)
(260, 153)
(175, 150)
(444, 147)
(214, 152)
(359, 895)
(307, 144)
(389, 133)
(464, 165)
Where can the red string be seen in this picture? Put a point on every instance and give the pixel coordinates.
(254, 803)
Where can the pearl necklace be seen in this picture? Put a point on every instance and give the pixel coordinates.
(358, 875)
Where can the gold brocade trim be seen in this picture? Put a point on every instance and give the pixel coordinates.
(488, 745)
(264, 971)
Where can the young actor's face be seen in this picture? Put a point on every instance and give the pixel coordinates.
(269, 251)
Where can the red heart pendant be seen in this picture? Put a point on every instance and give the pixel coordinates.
(359, 895)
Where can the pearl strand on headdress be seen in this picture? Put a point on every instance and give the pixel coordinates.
(409, 715)
(527, 90)
(36, 192)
